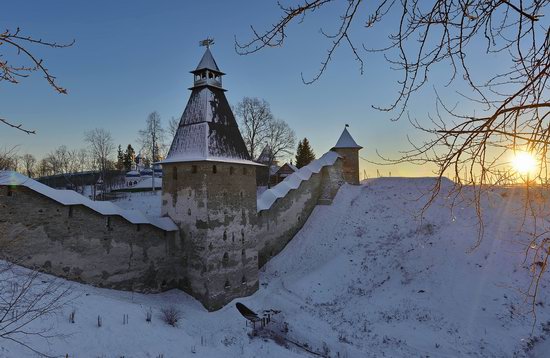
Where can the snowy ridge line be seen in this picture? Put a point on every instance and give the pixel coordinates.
(293, 181)
(70, 197)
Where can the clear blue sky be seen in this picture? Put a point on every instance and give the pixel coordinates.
(133, 57)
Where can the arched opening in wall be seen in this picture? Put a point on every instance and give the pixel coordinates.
(175, 173)
(231, 170)
(138, 227)
(70, 211)
(242, 236)
(225, 235)
(108, 223)
(194, 169)
(243, 252)
(243, 280)
(210, 75)
(227, 285)
(225, 260)
(214, 169)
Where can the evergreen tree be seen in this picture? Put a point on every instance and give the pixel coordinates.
(129, 156)
(304, 153)
(120, 158)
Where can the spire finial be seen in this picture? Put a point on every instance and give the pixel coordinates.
(207, 42)
(347, 125)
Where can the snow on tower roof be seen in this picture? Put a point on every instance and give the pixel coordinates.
(207, 62)
(346, 141)
(70, 197)
(208, 130)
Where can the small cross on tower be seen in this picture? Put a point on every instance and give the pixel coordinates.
(206, 42)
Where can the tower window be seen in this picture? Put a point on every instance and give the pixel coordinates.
(108, 223)
(231, 170)
(214, 169)
(227, 284)
(70, 211)
(193, 169)
(225, 259)
(243, 280)
(175, 173)
(224, 235)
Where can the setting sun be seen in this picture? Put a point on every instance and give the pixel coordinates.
(524, 163)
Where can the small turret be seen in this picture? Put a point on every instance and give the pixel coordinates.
(349, 150)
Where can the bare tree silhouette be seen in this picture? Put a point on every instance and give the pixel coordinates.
(14, 43)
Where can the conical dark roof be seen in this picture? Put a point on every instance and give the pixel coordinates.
(207, 62)
(208, 129)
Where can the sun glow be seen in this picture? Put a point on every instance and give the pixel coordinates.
(524, 163)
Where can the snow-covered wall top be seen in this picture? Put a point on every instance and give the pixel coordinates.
(70, 197)
(293, 181)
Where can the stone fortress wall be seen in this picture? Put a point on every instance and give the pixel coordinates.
(81, 244)
(84, 243)
(284, 209)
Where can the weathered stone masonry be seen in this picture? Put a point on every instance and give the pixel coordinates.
(214, 204)
(82, 245)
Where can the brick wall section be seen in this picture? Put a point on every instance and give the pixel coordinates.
(82, 245)
(217, 213)
(278, 225)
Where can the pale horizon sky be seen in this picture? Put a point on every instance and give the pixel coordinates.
(133, 57)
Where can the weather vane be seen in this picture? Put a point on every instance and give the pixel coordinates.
(206, 42)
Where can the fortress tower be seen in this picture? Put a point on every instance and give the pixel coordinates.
(349, 150)
(209, 191)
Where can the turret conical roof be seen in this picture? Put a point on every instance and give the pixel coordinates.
(207, 62)
(346, 141)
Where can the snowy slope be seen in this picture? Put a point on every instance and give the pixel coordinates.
(363, 278)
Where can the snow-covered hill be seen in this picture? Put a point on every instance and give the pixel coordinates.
(365, 277)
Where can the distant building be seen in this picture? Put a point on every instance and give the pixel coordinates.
(283, 172)
(265, 175)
